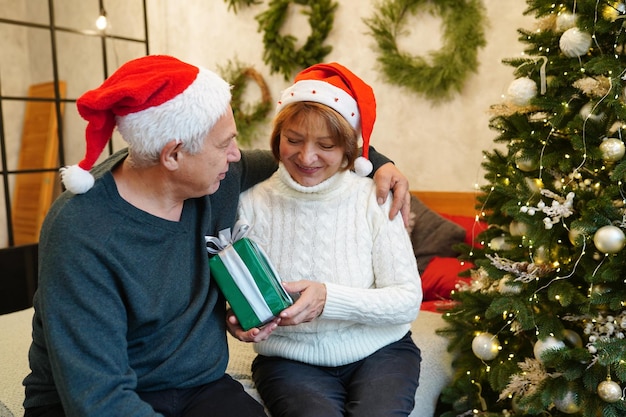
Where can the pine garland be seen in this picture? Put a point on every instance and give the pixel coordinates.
(463, 35)
(233, 4)
(247, 117)
(280, 52)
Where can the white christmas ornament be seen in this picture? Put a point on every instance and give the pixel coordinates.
(517, 228)
(586, 112)
(500, 243)
(486, 346)
(609, 391)
(609, 239)
(521, 91)
(567, 404)
(574, 42)
(565, 21)
(612, 149)
(525, 163)
(505, 287)
(543, 345)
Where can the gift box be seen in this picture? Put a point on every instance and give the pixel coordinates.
(247, 279)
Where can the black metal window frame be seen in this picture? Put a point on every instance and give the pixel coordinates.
(53, 29)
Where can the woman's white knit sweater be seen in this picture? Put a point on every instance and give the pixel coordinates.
(336, 233)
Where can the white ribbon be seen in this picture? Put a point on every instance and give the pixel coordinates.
(222, 246)
(225, 238)
(245, 282)
(542, 74)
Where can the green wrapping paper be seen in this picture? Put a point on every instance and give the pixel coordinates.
(249, 282)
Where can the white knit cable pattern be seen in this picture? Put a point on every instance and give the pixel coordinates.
(325, 233)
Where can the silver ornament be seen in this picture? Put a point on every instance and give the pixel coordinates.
(612, 149)
(609, 239)
(486, 346)
(543, 345)
(567, 404)
(609, 391)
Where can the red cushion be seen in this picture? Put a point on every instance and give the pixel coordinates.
(471, 226)
(441, 277)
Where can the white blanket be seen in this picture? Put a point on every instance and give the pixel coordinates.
(15, 328)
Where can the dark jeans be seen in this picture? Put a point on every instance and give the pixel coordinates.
(222, 398)
(381, 385)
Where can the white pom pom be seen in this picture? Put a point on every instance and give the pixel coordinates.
(362, 166)
(521, 91)
(574, 43)
(76, 179)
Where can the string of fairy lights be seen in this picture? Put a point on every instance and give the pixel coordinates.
(609, 239)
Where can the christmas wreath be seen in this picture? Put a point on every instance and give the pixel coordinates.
(446, 70)
(247, 116)
(280, 51)
(233, 4)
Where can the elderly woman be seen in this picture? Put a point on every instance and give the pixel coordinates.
(344, 348)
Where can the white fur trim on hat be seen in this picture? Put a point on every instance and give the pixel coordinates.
(190, 114)
(323, 93)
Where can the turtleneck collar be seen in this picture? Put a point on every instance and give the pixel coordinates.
(325, 187)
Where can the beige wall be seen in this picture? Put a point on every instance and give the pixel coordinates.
(437, 147)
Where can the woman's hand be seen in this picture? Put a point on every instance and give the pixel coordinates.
(255, 334)
(309, 304)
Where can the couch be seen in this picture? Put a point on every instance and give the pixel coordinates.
(438, 221)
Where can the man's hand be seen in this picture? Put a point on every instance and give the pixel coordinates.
(253, 335)
(308, 306)
(387, 178)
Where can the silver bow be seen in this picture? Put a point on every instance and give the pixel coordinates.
(225, 238)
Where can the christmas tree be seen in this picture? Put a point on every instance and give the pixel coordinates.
(540, 329)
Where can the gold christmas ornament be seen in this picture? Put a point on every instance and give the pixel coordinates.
(609, 391)
(612, 11)
(612, 149)
(576, 236)
(572, 338)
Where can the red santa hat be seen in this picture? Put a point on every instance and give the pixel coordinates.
(151, 100)
(338, 88)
